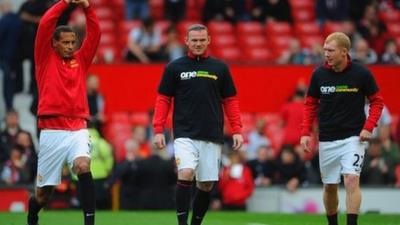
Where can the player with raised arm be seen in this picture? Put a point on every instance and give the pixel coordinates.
(63, 108)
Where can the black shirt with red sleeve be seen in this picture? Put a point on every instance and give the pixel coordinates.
(198, 87)
(341, 100)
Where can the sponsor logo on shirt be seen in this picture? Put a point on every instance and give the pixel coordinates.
(73, 63)
(199, 74)
(326, 90)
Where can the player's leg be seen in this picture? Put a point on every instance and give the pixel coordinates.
(206, 174)
(352, 163)
(186, 158)
(51, 158)
(79, 159)
(330, 173)
(37, 202)
(331, 202)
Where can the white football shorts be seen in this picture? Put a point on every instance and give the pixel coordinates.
(57, 147)
(203, 157)
(339, 157)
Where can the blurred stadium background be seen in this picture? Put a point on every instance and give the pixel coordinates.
(272, 47)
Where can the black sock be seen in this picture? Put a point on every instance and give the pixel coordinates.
(200, 206)
(332, 219)
(352, 219)
(34, 208)
(183, 192)
(88, 201)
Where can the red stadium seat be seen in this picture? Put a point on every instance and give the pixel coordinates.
(259, 55)
(393, 28)
(222, 40)
(232, 53)
(108, 38)
(140, 118)
(390, 16)
(218, 27)
(184, 25)
(252, 41)
(108, 54)
(307, 41)
(278, 28)
(156, 9)
(107, 26)
(280, 43)
(249, 28)
(307, 28)
(301, 4)
(303, 15)
(125, 27)
(330, 27)
(105, 13)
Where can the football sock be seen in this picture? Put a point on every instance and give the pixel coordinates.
(352, 219)
(34, 208)
(88, 200)
(332, 219)
(200, 206)
(183, 192)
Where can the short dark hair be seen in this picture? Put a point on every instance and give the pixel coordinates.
(62, 29)
(197, 27)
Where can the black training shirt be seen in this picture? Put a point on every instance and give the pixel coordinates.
(342, 98)
(198, 87)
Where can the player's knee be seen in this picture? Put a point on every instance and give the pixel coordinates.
(186, 174)
(205, 186)
(331, 188)
(351, 182)
(82, 165)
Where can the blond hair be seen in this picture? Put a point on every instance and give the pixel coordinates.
(342, 40)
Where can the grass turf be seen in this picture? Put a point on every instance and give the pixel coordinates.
(168, 218)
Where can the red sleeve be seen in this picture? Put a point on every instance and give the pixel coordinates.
(232, 111)
(47, 26)
(92, 39)
(309, 115)
(375, 111)
(161, 109)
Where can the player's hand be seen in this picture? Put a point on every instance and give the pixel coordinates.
(159, 141)
(365, 135)
(84, 3)
(305, 143)
(237, 141)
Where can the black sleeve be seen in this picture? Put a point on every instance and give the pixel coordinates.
(369, 84)
(227, 86)
(313, 89)
(168, 82)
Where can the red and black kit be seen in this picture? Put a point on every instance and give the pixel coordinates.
(338, 98)
(200, 87)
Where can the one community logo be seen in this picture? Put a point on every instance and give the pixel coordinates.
(194, 74)
(326, 90)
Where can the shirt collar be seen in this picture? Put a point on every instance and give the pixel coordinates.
(198, 57)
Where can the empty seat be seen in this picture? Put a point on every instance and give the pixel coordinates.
(330, 27)
(307, 41)
(219, 27)
(156, 9)
(259, 54)
(140, 118)
(104, 13)
(278, 28)
(307, 28)
(222, 40)
(232, 53)
(249, 28)
(390, 16)
(252, 41)
(393, 28)
(125, 27)
(107, 26)
(301, 4)
(279, 43)
(303, 15)
(108, 38)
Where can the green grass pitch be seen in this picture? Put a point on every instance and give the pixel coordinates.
(212, 218)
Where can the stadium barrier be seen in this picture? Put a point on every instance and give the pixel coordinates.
(309, 200)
